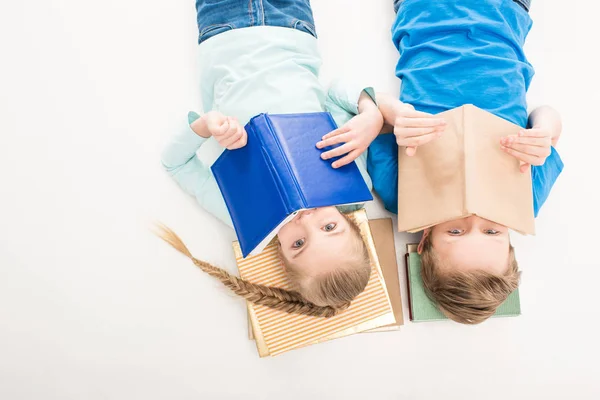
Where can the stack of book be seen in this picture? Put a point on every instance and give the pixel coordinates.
(378, 308)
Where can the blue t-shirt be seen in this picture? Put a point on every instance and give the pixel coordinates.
(454, 53)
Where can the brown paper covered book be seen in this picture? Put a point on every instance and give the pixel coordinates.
(464, 172)
(276, 332)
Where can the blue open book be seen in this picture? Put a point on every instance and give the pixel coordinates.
(280, 172)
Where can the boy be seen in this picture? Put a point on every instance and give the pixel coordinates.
(454, 53)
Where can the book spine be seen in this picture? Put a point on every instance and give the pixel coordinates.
(278, 164)
(410, 305)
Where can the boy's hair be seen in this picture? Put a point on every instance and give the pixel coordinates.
(466, 297)
(333, 291)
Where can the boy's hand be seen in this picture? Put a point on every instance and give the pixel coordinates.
(226, 130)
(530, 146)
(357, 134)
(414, 128)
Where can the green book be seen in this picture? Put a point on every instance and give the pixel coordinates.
(423, 309)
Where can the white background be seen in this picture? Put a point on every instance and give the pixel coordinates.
(92, 306)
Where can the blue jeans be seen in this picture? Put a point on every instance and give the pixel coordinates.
(218, 16)
(523, 3)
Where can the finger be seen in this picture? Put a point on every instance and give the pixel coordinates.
(353, 155)
(412, 113)
(338, 151)
(411, 151)
(418, 140)
(341, 138)
(233, 126)
(240, 142)
(526, 158)
(232, 129)
(223, 128)
(527, 140)
(536, 151)
(233, 137)
(523, 167)
(406, 133)
(339, 131)
(534, 132)
(404, 122)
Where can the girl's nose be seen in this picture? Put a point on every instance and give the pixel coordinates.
(302, 214)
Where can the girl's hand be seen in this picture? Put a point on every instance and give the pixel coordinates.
(530, 146)
(357, 134)
(414, 128)
(226, 130)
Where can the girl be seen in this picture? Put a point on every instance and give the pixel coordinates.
(454, 53)
(261, 56)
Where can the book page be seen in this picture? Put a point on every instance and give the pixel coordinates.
(269, 238)
(431, 183)
(496, 189)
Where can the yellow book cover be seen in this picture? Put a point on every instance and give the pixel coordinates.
(276, 332)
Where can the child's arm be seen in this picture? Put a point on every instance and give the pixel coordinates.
(412, 128)
(194, 177)
(532, 146)
(364, 122)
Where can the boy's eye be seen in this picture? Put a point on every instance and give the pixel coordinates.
(491, 232)
(455, 232)
(298, 243)
(329, 227)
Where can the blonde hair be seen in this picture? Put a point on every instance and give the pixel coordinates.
(336, 289)
(467, 297)
(342, 284)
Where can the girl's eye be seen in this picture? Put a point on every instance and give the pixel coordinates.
(298, 243)
(329, 227)
(455, 232)
(491, 232)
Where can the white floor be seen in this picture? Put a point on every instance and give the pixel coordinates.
(92, 306)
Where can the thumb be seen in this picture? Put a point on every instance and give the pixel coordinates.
(215, 120)
(523, 166)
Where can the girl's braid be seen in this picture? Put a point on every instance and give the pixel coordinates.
(275, 298)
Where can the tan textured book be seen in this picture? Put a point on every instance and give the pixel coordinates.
(276, 332)
(463, 173)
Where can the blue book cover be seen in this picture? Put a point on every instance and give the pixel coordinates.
(280, 172)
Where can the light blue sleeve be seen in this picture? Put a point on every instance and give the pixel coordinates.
(342, 103)
(543, 178)
(181, 162)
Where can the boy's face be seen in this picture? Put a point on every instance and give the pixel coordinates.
(471, 243)
(316, 239)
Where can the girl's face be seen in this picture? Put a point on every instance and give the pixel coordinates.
(315, 239)
(472, 243)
